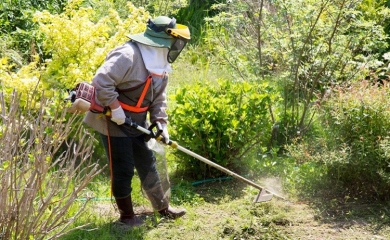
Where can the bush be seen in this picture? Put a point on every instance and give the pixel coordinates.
(78, 42)
(305, 171)
(18, 33)
(24, 80)
(357, 122)
(220, 122)
(39, 181)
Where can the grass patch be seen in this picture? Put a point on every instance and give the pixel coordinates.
(224, 210)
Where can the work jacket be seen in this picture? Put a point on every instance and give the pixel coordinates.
(123, 76)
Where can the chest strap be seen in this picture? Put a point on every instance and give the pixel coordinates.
(137, 108)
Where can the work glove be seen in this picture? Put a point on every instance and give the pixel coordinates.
(118, 115)
(165, 134)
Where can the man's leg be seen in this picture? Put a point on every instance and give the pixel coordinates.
(145, 163)
(122, 168)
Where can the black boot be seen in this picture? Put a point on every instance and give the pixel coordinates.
(173, 213)
(160, 203)
(127, 216)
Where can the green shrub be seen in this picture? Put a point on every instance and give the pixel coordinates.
(357, 120)
(305, 46)
(220, 122)
(18, 33)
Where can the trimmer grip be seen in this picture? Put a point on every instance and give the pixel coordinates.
(128, 122)
(159, 129)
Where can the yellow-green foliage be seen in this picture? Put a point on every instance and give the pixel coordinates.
(78, 44)
(25, 80)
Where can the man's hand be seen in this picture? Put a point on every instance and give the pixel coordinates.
(165, 134)
(118, 115)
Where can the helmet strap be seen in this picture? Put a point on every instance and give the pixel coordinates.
(156, 28)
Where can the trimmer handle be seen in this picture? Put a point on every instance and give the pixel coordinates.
(149, 133)
(130, 123)
(154, 134)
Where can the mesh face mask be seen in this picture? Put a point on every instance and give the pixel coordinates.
(176, 49)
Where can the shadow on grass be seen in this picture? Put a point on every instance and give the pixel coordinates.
(112, 230)
(104, 232)
(208, 191)
(332, 206)
(341, 210)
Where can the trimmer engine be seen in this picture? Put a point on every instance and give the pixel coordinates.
(83, 99)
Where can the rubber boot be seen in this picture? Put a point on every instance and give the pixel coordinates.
(173, 213)
(127, 216)
(160, 203)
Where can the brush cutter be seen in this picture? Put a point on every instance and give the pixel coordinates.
(264, 194)
(83, 99)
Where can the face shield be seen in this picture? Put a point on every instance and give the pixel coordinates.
(176, 49)
(182, 35)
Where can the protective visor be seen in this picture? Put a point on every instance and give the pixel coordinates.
(176, 49)
(181, 34)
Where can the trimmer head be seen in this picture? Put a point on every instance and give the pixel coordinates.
(263, 196)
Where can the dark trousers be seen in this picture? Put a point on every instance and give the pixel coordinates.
(128, 153)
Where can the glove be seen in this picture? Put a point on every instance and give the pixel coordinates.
(165, 134)
(118, 115)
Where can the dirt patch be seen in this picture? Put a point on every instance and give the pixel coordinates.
(305, 224)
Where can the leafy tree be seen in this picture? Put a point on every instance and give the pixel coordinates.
(19, 39)
(374, 10)
(13, 12)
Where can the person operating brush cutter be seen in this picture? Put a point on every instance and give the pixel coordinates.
(131, 83)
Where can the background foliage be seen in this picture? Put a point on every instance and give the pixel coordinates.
(78, 45)
(305, 47)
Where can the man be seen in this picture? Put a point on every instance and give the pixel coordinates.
(131, 83)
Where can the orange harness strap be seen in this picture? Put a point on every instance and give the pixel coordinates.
(137, 108)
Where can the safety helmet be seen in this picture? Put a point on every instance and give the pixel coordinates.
(164, 32)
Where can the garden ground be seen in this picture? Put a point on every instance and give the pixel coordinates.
(228, 212)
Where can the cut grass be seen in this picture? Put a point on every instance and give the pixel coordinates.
(224, 210)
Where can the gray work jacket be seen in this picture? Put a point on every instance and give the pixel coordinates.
(124, 69)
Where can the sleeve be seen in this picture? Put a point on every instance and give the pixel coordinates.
(110, 74)
(157, 110)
